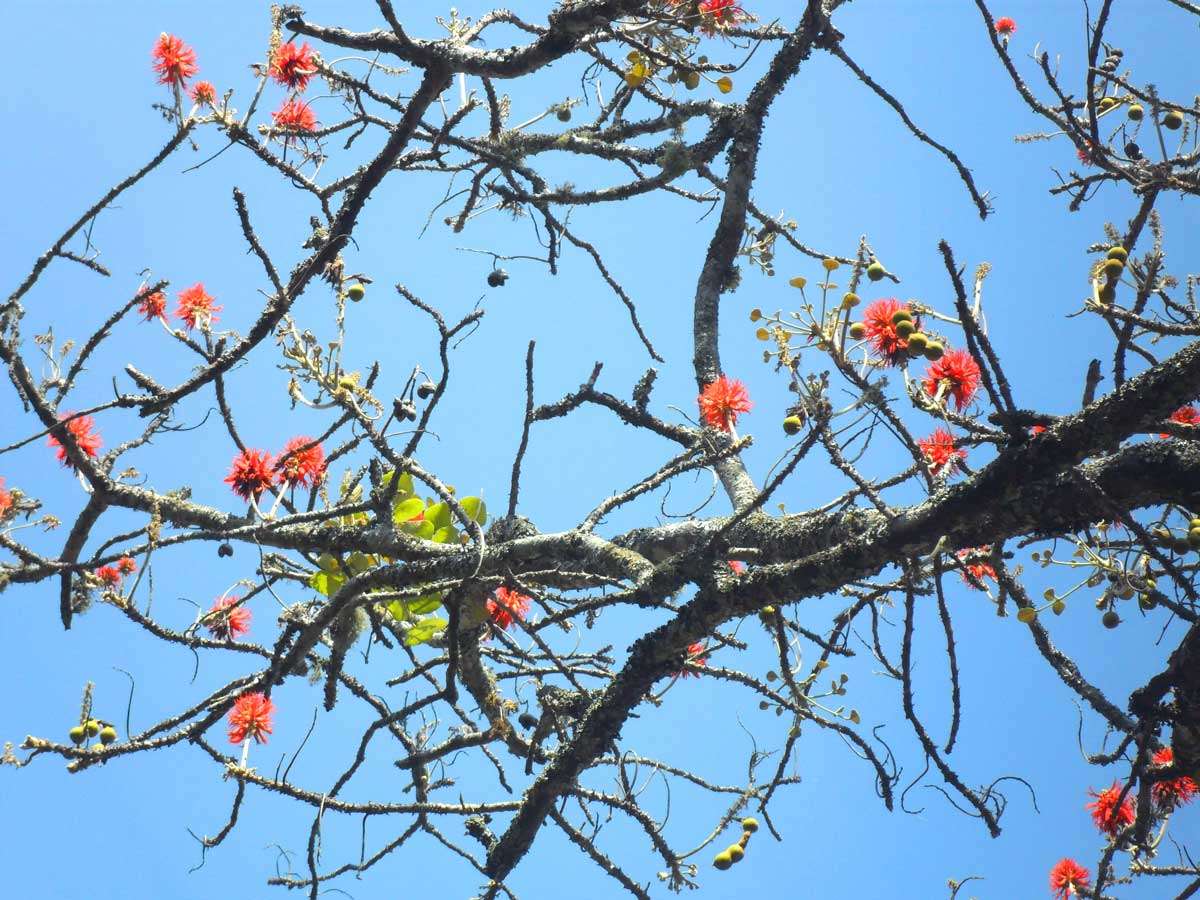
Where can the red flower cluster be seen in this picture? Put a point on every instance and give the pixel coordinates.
(1176, 792)
(738, 566)
(881, 332)
(960, 373)
(153, 306)
(196, 307)
(1068, 878)
(81, 430)
(976, 568)
(697, 657)
(1109, 816)
(300, 464)
(204, 93)
(504, 606)
(109, 575)
(722, 12)
(941, 454)
(227, 620)
(6, 500)
(295, 114)
(126, 565)
(1185, 415)
(292, 65)
(174, 61)
(251, 718)
(722, 401)
(250, 474)
(1005, 26)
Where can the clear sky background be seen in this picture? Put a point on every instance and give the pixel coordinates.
(76, 91)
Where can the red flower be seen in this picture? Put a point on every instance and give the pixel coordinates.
(975, 567)
(250, 474)
(1085, 153)
(81, 431)
(174, 61)
(1037, 429)
(292, 65)
(227, 621)
(940, 452)
(1006, 26)
(959, 372)
(738, 566)
(196, 307)
(1176, 792)
(1108, 816)
(109, 575)
(1068, 878)
(881, 332)
(295, 114)
(126, 565)
(722, 12)
(153, 306)
(1185, 415)
(506, 605)
(303, 468)
(722, 401)
(204, 93)
(697, 657)
(5, 500)
(250, 718)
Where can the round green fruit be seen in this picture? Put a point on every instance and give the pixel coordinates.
(1118, 252)
(1107, 103)
(1194, 523)
(1135, 112)
(92, 727)
(1193, 538)
(792, 424)
(901, 315)
(108, 734)
(356, 292)
(1173, 120)
(750, 825)
(905, 327)
(1107, 293)
(875, 271)
(564, 112)
(722, 860)
(858, 331)
(850, 300)
(77, 734)
(1147, 602)
(917, 342)
(934, 351)
(735, 852)
(1026, 614)
(1113, 268)
(1111, 619)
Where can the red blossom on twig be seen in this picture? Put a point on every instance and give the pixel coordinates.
(958, 372)
(881, 331)
(1005, 26)
(292, 65)
(1068, 878)
(196, 308)
(940, 453)
(228, 619)
(153, 306)
(696, 656)
(722, 401)
(251, 718)
(81, 430)
(204, 93)
(1185, 415)
(250, 474)
(504, 606)
(1109, 816)
(1175, 792)
(174, 61)
(296, 115)
(300, 464)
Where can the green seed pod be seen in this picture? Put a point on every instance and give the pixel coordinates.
(1026, 614)
(1118, 252)
(934, 351)
(723, 860)
(735, 852)
(1173, 120)
(917, 342)
(901, 315)
(1193, 538)
(108, 734)
(750, 825)
(905, 327)
(875, 271)
(1107, 103)
(1135, 112)
(1194, 523)
(92, 727)
(1113, 268)
(792, 424)
(1058, 607)
(858, 331)
(1111, 619)
(1107, 293)
(356, 292)
(850, 300)
(77, 734)
(564, 112)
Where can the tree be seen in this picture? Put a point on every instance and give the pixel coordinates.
(487, 656)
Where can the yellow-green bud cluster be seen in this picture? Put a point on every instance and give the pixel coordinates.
(735, 853)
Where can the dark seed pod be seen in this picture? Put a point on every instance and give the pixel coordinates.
(425, 389)
(1133, 151)
(497, 277)
(224, 550)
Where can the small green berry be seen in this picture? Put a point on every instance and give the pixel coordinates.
(108, 734)
(858, 331)
(723, 860)
(77, 734)
(735, 852)
(934, 351)
(1193, 538)
(875, 271)
(917, 342)
(1111, 619)
(1135, 112)
(792, 424)
(1194, 523)
(850, 300)
(1113, 268)
(564, 112)
(1147, 601)
(1107, 103)
(905, 327)
(1173, 120)
(92, 727)
(750, 825)
(901, 315)
(356, 292)
(1118, 252)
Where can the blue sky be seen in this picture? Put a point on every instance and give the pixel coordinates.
(836, 160)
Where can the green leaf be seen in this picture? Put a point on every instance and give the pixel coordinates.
(358, 563)
(404, 510)
(425, 629)
(439, 514)
(406, 611)
(475, 508)
(326, 583)
(404, 489)
(447, 535)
